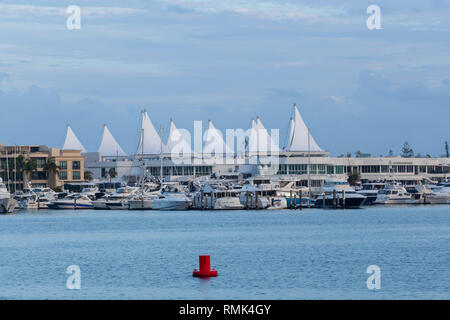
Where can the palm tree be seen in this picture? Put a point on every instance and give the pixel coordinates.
(112, 174)
(50, 167)
(29, 166)
(88, 176)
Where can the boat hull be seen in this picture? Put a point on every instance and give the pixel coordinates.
(350, 202)
(140, 205)
(162, 204)
(7, 205)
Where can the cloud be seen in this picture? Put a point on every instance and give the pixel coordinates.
(262, 9)
(22, 10)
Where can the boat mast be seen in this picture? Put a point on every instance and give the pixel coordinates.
(15, 169)
(7, 168)
(143, 162)
(161, 155)
(309, 163)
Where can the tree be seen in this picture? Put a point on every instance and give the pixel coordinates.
(390, 153)
(29, 166)
(50, 167)
(353, 178)
(407, 151)
(88, 176)
(112, 174)
(446, 150)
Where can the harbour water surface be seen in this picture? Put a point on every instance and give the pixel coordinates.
(308, 254)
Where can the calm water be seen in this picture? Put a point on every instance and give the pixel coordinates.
(313, 254)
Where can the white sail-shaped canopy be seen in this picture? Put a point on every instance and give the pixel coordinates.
(300, 138)
(152, 141)
(214, 143)
(253, 138)
(72, 142)
(265, 141)
(109, 146)
(177, 143)
(259, 140)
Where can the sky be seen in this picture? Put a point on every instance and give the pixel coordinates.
(228, 61)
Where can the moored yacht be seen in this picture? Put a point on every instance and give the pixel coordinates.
(440, 196)
(394, 193)
(217, 197)
(172, 197)
(72, 201)
(370, 191)
(338, 193)
(119, 199)
(7, 202)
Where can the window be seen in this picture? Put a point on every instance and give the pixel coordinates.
(282, 169)
(321, 168)
(103, 172)
(177, 171)
(62, 175)
(38, 175)
(298, 169)
(76, 175)
(313, 169)
(370, 169)
(63, 165)
(330, 169)
(76, 165)
(166, 171)
(41, 162)
(203, 170)
(339, 169)
(155, 171)
(188, 171)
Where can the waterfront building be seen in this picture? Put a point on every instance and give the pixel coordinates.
(16, 176)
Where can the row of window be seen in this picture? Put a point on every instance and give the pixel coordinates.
(76, 165)
(181, 171)
(76, 175)
(329, 169)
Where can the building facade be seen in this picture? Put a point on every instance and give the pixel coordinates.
(14, 172)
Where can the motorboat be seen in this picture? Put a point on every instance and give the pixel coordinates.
(395, 193)
(440, 196)
(370, 191)
(143, 200)
(339, 194)
(119, 199)
(172, 197)
(72, 201)
(7, 202)
(217, 197)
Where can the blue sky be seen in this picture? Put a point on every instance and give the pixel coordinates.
(228, 61)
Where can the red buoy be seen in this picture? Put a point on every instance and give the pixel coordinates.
(205, 268)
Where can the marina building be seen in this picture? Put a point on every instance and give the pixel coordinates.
(302, 159)
(22, 164)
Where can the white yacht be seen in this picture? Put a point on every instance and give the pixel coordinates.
(394, 193)
(119, 199)
(370, 191)
(143, 200)
(346, 196)
(440, 196)
(7, 202)
(72, 201)
(217, 197)
(172, 197)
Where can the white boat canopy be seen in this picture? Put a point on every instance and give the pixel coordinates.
(152, 141)
(72, 142)
(300, 138)
(177, 143)
(214, 143)
(109, 146)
